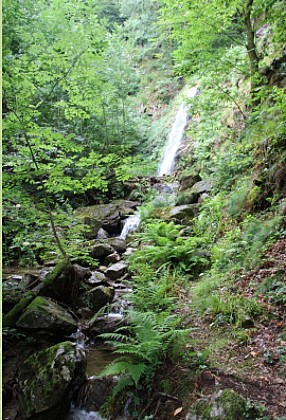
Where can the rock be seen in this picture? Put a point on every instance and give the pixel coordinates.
(117, 244)
(63, 282)
(106, 216)
(94, 393)
(10, 319)
(202, 186)
(128, 251)
(96, 278)
(112, 258)
(226, 404)
(48, 379)
(187, 197)
(115, 271)
(184, 213)
(96, 298)
(106, 324)
(188, 181)
(83, 273)
(101, 250)
(102, 234)
(45, 314)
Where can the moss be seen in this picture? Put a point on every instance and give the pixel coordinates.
(226, 405)
(10, 319)
(62, 266)
(45, 377)
(233, 405)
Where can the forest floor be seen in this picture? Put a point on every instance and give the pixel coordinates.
(255, 368)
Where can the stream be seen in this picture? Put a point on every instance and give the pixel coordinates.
(99, 356)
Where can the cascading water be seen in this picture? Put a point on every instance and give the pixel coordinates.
(176, 136)
(175, 139)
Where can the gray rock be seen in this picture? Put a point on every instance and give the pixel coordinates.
(106, 216)
(100, 250)
(45, 314)
(94, 393)
(188, 181)
(184, 212)
(118, 244)
(96, 278)
(115, 271)
(112, 258)
(96, 298)
(102, 234)
(202, 186)
(47, 380)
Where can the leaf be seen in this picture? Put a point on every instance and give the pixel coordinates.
(178, 411)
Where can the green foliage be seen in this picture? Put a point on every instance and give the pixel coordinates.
(274, 288)
(143, 345)
(232, 309)
(166, 248)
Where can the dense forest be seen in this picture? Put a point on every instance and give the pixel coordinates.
(184, 314)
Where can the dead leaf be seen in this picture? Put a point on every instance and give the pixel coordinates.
(178, 411)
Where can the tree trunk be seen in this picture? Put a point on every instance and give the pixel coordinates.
(250, 46)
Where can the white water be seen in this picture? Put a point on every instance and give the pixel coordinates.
(78, 414)
(130, 225)
(176, 136)
(175, 139)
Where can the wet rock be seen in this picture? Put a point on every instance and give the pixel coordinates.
(48, 379)
(96, 278)
(96, 298)
(105, 324)
(115, 271)
(112, 258)
(101, 250)
(94, 393)
(45, 314)
(106, 216)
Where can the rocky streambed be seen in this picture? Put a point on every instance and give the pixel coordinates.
(54, 314)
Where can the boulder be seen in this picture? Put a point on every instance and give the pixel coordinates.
(183, 213)
(100, 250)
(96, 298)
(45, 314)
(118, 244)
(112, 258)
(102, 234)
(202, 186)
(106, 216)
(94, 393)
(188, 181)
(48, 379)
(115, 271)
(96, 278)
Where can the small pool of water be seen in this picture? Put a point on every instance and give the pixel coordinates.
(98, 357)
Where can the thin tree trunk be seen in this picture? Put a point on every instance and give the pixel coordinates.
(250, 45)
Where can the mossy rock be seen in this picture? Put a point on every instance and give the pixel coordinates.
(45, 314)
(96, 298)
(48, 379)
(224, 405)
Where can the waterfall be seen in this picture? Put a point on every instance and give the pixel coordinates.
(175, 139)
(176, 136)
(130, 225)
